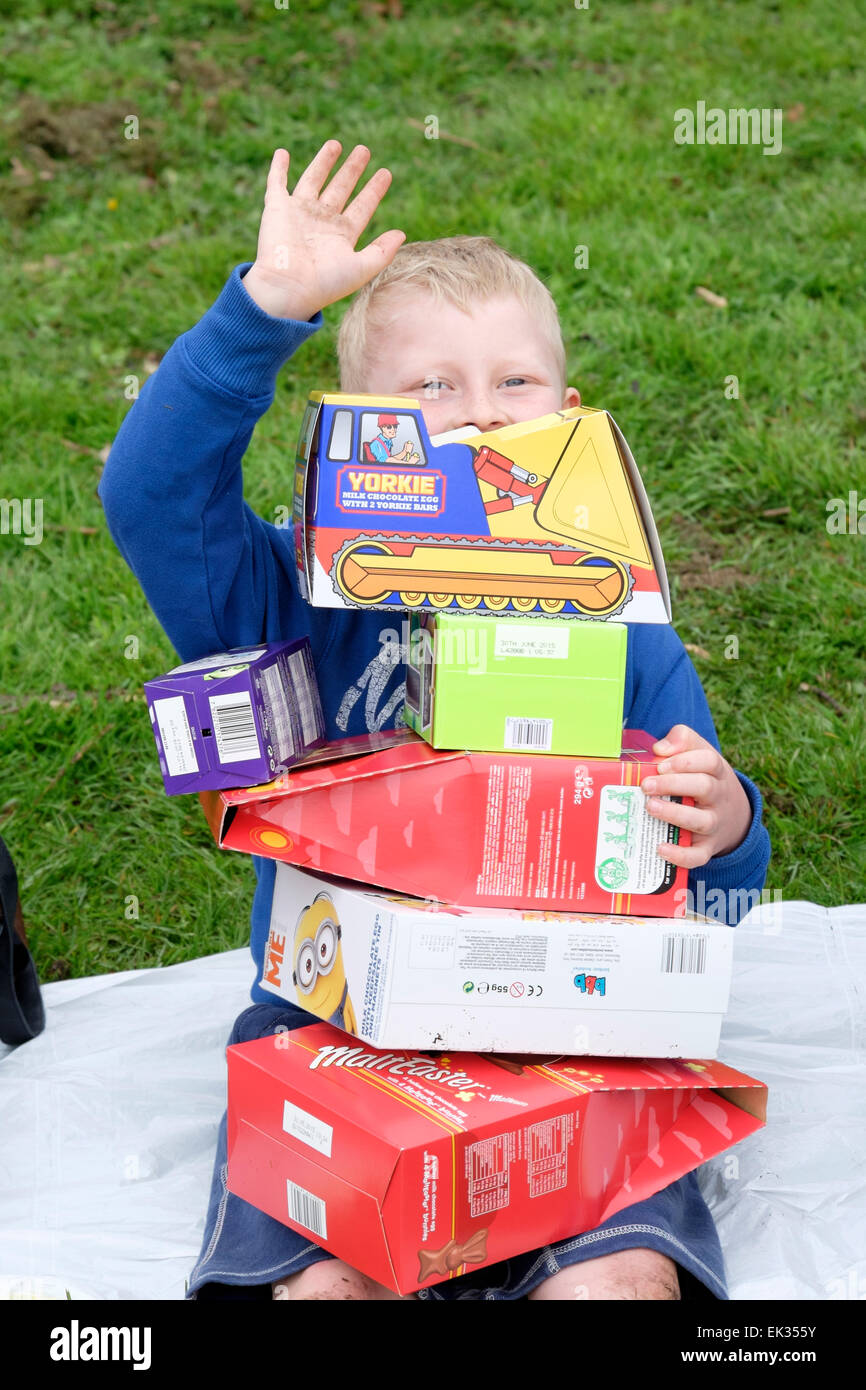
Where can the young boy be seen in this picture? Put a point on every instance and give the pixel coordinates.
(474, 335)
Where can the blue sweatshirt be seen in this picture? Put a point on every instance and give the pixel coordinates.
(217, 576)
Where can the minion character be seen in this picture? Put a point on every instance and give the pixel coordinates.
(319, 973)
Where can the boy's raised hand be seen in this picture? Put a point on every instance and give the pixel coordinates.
(721, 816)
(306, 254)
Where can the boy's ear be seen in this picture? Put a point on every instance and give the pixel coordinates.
(571, 397)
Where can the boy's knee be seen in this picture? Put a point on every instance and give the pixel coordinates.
(639, 1274)
(331, 1280)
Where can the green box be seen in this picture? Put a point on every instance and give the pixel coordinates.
(511, 684)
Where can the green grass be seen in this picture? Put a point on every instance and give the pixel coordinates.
(114, 246)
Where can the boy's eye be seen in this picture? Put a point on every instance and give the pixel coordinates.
(433, 386)
(516, 381)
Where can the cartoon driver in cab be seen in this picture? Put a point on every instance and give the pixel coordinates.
(380, 448)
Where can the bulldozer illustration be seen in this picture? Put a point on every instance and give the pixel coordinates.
(544, 517)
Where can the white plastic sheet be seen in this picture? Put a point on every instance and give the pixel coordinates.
(108, 1121)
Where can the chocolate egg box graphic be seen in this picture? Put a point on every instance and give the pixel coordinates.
(416, 1168)
(546, 517)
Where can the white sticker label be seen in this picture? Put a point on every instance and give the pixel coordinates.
(208, 663)
(531, 640)
(307, 1128)
(176, 735)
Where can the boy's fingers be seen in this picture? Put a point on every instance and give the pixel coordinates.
(697, 785)
(339, 190)
(379, 253)
(679, 739)
(693, 818)
(362, 207)
(277, 174)
(686, 856)
(313, 178)
(707, 760)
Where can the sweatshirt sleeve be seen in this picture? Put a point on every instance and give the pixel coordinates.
(214, 573)
(663, 689)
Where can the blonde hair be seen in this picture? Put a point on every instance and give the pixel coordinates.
(458, 269)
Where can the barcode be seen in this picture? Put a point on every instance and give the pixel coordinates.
(307, 1210)
(528, 733)
(303, 678)
(280, 717)
(684, 955)
(234, 725)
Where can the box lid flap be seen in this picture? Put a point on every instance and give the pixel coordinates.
(646, 513)
(338, 751)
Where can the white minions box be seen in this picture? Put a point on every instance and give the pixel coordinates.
(404, 972)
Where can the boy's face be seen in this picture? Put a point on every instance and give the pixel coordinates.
(489, 367)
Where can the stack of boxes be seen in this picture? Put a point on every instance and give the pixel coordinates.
(426, 893)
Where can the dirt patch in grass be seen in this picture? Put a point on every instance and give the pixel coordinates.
(84, 135)
(193, 68)
(81, 133)
(704, 566)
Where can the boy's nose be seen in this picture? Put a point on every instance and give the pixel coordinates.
(484, 413)
(484, 422)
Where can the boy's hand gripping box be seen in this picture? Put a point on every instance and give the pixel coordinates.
(236, 718)
(507, 685)
(547, 517)
(417, 1169)
(401, 972)
(479, 829)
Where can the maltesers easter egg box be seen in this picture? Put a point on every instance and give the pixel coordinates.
(548, 517)
(416, 1169)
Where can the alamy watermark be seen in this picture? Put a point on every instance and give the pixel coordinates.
(730, 905)
(846, 516)
(736, 126)
(22, 516)
(77, 1343)
(461, 646)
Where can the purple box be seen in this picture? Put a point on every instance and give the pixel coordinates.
(236, 719)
